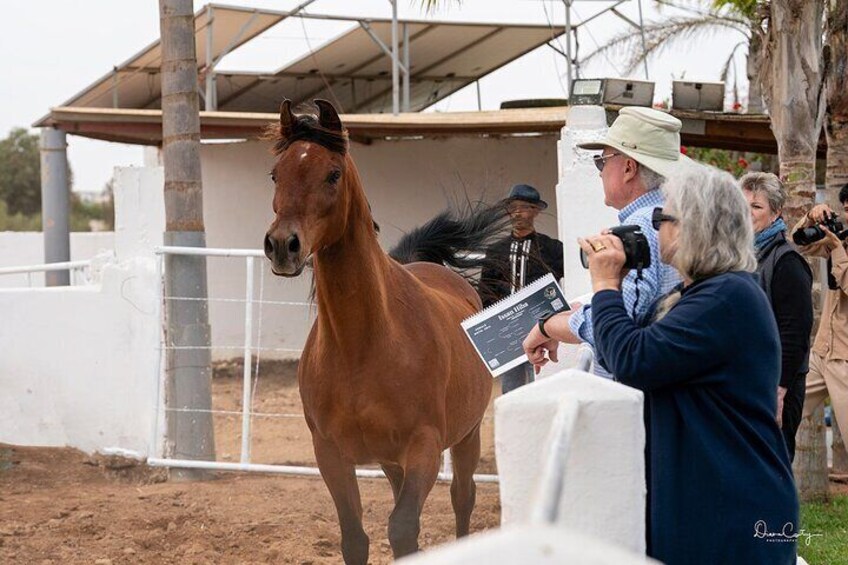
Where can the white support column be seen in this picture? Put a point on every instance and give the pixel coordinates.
(580, 194)
(571, 452)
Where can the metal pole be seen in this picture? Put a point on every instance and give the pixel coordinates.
(55, 204)
(407, 69)
(479, 98)
(644, 49)
(246, 375)
(568, 44)
(395, 73)
(153, 448)
(115, 87)
(211, 103)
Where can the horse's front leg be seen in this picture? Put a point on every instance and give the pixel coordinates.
(340, 477)
(421, 470)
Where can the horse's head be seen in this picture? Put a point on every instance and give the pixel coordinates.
(312, 193)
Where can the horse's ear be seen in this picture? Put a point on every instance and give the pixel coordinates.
(328, 117)
(287, 119)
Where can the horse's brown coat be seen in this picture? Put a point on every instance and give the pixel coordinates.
(386, 375)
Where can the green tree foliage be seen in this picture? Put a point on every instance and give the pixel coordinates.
(20, 173)
(20, 190)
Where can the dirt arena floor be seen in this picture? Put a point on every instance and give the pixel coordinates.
(62, 506)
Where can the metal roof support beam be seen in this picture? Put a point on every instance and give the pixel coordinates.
(209, 99)
(407, 67)
(463, 49)
(395, 61)
(235, 39)
(386, 49)
(115, 81)
(568, 57)
(644, 48)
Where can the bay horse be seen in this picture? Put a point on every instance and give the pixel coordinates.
(387, 375)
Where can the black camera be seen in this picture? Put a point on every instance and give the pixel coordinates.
(812, 234)
(637, 252)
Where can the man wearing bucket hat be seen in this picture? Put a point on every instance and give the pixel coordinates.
(640, 150)
(517, 260)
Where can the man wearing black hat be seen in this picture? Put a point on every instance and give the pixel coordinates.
(517, 260)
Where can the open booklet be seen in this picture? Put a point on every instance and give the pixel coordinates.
(498, 331)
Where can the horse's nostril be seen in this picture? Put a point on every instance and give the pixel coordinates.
(270, 247)
(294, 244)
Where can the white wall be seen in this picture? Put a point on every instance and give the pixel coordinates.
(18, 249)
(407, 183)
(79, 365)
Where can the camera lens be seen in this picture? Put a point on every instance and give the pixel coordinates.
(807, 236)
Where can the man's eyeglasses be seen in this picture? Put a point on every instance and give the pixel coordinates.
(601, 160)
(657, 218)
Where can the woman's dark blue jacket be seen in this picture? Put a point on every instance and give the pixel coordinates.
(720, 484)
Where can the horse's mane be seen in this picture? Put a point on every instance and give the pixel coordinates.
(306, 127)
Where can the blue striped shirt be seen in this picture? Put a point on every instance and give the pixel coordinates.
(657, 280)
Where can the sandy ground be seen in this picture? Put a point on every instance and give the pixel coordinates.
(62, 506)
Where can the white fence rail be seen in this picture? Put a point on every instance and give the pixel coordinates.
(253, 306)
(80, 271)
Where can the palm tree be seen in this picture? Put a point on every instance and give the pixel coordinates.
(190, 434)
(743, 17)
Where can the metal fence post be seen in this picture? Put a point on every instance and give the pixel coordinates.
(246, 376)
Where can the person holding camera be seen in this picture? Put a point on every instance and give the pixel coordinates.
(720, 485)
(640, 149)
(787, 281)
(517, 260)
(821, 234)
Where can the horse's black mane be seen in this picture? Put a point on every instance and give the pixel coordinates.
(306, 127)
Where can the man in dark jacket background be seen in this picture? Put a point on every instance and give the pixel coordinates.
(516, 261)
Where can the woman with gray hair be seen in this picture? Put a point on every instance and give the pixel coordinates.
(720, 486)
(787, 281)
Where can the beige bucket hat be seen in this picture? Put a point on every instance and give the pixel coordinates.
(649, 137)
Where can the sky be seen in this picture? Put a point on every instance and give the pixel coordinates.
(52, 49)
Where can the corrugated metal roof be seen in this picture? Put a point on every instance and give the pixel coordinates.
(351, 70)
(135, 83)
(355, 74)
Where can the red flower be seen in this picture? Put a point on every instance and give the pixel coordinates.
(684, 150)
(737, 106)
(743, 163)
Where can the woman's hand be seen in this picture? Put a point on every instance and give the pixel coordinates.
(831, 240)
(536, 346)
(606, 261)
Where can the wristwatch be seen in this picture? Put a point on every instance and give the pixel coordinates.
(541, 323)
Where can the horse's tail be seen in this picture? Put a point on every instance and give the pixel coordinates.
(455, 239)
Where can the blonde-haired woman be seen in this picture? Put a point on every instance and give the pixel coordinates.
(720, 484)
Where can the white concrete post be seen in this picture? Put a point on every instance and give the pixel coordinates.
(595, 470)
(580, 194)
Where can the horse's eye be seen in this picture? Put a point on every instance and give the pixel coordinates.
(334, 177)
(273, 177)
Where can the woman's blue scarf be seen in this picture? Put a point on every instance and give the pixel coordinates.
(763, 238)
